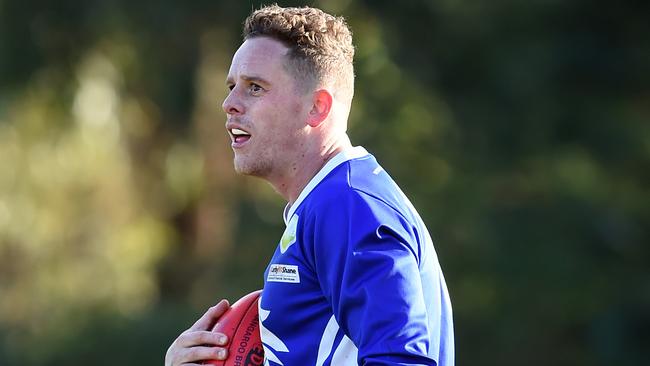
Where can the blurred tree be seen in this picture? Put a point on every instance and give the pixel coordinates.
(519, 129)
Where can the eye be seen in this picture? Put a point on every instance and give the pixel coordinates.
(230, 86)
(255, 88)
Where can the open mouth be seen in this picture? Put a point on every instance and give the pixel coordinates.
(239, 136)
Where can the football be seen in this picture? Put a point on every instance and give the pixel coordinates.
(241, 324)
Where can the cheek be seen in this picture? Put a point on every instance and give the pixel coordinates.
(286, 109)
(297, 109)
(280, 122)
(285, 117)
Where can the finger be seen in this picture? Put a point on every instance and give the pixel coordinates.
(195, 354)
(202, 337)
(210, 317)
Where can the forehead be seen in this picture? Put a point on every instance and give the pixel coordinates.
(261, 57)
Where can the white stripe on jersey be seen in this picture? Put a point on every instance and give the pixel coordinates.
(345, 353)
(327, 341)
(270, 341)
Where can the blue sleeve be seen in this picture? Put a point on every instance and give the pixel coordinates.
(367, 257)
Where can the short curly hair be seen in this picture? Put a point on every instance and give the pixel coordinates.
(320, 44)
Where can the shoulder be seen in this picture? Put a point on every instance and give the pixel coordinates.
(352, 180)
(358, 209)
(357, 185)
(360, 196)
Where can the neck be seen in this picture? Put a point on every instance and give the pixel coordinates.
(291, 183)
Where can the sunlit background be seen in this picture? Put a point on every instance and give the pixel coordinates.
(520, 129)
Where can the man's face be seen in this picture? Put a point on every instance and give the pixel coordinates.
(266, 113)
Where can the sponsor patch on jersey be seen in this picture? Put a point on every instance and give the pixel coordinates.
(289, 236)
(283, 273)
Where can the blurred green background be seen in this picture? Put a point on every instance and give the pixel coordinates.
(520, 129)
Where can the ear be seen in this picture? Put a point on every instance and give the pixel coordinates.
(321, 106)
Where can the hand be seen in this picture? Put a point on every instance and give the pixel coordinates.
(199, 343)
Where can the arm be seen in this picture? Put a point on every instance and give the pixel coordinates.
(198, 343)
(376, 291)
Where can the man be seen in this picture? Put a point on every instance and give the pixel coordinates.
(364, 285)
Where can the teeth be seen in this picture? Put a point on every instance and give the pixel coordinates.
(237, 132)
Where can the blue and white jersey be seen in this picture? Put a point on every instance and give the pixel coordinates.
(355, 279)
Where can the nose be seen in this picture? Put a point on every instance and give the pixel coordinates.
(232, 104)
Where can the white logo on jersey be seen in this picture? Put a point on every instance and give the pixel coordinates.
(270, 341)
(283, 273)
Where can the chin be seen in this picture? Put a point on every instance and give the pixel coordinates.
(244, 167)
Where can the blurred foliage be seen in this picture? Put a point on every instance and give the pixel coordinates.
(521, 131)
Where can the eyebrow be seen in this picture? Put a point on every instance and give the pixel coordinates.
(249, 78)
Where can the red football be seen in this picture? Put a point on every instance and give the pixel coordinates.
(241, 323)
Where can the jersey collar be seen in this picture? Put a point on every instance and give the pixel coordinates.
(340, 158)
